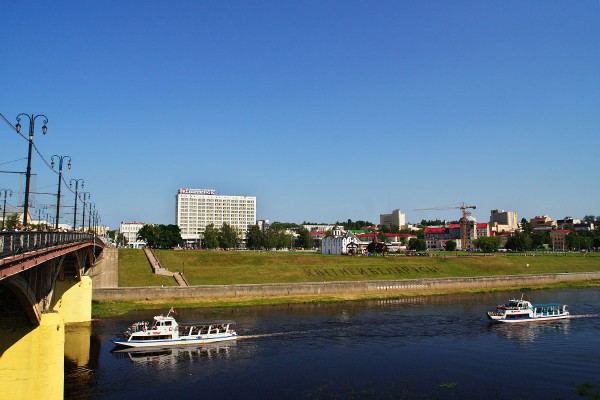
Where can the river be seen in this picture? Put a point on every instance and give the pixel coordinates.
(439, 347)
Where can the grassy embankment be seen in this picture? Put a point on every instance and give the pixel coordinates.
(223, 268)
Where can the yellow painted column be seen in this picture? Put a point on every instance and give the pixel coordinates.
(32, 365)
(74, 299)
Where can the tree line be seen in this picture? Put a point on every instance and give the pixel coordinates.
(227, 237)
(277, 237)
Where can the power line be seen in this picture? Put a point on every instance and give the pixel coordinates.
(8, 162)
(12, 126)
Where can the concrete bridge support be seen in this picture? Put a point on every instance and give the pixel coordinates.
(74, 299)
(32, 360)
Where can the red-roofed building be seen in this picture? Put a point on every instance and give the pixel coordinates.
(483, 229)
(542, 223)
(436, 237)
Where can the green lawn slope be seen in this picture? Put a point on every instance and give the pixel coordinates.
(241, 267)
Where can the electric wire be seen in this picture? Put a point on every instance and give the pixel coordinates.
(8, 162)
(12, 126)
(37, 151)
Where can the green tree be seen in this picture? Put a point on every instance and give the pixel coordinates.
(520, 241)
(149, 234)
(354, 225)
(450, 245)
(539, 239)
(228, 237)
(121, 240)
(210, 237)
(589, 219)
(160, 236)
(488, 243)
(169, 236)
(284, 225)
(580, 240)
(417, 244)
(284, 240)
(304, 239)
(254, 238)
(526, 226)
(272, 238)
(11, 221)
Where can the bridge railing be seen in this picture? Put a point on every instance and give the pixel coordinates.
(13, 243)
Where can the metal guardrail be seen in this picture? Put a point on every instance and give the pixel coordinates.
(14, 243)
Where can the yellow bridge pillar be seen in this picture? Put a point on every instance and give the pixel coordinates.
(74, 299)
(32, 362)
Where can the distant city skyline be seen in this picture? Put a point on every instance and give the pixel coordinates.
(324, 111)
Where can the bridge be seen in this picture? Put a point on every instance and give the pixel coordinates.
(44, 285)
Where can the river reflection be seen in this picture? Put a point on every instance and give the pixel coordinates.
(418, 348)
(165, 357)
(528, 332)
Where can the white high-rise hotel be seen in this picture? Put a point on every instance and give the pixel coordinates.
(197, 208)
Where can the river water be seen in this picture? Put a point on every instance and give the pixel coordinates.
(440, 347)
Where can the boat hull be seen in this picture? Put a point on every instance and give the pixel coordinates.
(173, 342)
(502, 319)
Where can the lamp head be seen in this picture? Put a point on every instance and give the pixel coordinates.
(44, 129)
(52, 165)
(69, 164)
(18, 126)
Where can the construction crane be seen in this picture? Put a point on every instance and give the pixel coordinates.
(463, 221)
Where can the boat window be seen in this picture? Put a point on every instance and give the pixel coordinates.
(168, 323)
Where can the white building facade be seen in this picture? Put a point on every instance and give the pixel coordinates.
(396, 218)
(501, 220)
(198, 208)
(340, 243)
(129, 230)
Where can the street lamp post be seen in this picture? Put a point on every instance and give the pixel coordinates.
(86, 196)
(90, 217)
(9, 193)
(76, 192)
(32, 119)
(60, 167)
(94, 220)
(41, 207)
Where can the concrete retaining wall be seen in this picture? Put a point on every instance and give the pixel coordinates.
(331, 288)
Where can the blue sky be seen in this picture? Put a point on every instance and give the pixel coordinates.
(323, 110)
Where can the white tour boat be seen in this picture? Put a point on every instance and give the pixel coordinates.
(519, 310)
(165, 331)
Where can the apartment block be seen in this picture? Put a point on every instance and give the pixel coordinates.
(198, 208)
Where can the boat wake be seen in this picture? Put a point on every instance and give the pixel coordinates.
(275, 334)
(585, 316)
